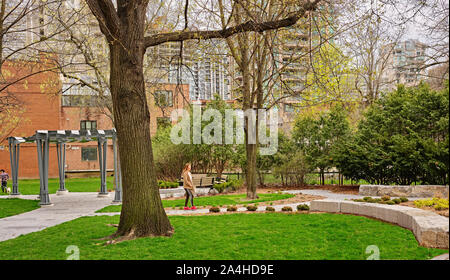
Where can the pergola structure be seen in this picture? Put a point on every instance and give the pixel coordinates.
(43, 138)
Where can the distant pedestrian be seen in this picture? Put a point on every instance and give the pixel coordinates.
(5, 177)
(188, 187)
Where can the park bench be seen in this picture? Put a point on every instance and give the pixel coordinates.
(222, 179)
(202, 181)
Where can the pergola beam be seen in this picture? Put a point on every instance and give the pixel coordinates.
(43, 138)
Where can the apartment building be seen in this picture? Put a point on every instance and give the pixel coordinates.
(404, 63)
(204, 67)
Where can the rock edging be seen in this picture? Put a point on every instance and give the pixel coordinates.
(431, 230)
(407, 191)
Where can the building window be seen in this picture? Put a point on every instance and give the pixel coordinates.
(88, 154)
(163, 98)
(79, 100)
(162, 122)
(88, 125)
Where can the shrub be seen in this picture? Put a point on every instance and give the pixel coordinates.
(366, 198)
(292, 168)
(231, 208)
(372, 200)
(389, 202)
(214, 209)
(167, 184)
(411, 152)
(169, 158)
(252, 208)
(234, 184)
(404, 199)
(270, 209)
(385, 198)
(286, 209)
(437, 203)
(397, 200)
(359, 200)
(220, 187)
(302, 207)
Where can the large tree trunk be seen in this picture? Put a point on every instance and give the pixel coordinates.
(250, 149)
(142, 210)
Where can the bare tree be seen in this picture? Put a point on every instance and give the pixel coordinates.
(433, 21)
(371, 44)
(24, 27)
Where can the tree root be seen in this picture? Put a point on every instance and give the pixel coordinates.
(130, 235)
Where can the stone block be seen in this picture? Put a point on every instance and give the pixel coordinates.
(325, 205)
(430, 229)
(350, 207)
(442, 240)
(407, 191)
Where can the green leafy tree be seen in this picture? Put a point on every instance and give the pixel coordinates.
(330, 78)
(402, 139)
(319, 136)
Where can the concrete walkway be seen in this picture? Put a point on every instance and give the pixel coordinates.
(65, 208)
(340, 196)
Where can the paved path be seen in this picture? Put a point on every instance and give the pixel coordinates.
(74, 205)
(327, 194)
(65, 208)
(444, 257)
(332, 195)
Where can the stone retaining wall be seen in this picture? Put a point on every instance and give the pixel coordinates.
(431, 230)
(407, 191)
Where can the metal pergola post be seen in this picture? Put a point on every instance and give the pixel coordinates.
(42, 141)
(61, 155)
(117, 174)
(14, 149)
(102, 148)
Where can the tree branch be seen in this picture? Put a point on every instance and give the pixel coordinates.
(251, 25)
(107, 17)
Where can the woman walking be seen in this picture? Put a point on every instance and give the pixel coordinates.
(188, 186)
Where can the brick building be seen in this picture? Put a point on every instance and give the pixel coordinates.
(44, 108)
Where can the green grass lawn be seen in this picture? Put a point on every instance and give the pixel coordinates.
(217, 200)
(31, 186)
(233, 236)
(14, 206)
